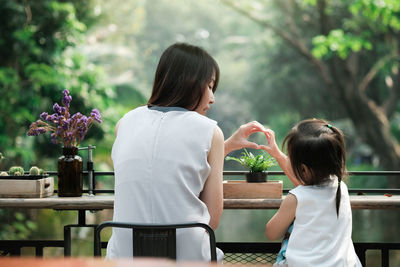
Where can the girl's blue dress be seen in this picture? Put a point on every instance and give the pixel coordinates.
(281, 258)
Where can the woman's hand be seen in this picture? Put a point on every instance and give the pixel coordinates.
(239, 138)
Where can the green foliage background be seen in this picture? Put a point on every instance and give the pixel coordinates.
(105, 53)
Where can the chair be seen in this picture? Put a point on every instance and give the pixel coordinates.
(154, 240)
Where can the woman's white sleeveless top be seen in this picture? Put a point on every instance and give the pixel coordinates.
(160, 163)
(319, 236)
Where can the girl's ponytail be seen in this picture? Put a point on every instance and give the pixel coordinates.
(338, 196)
(341, 158)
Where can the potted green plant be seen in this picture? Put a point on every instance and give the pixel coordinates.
(256, 164)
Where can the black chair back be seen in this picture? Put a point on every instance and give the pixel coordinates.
(153, 240)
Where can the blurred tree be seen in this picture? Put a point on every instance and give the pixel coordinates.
(36, 63)
(130, 40)
(353, 47)
(38, 60)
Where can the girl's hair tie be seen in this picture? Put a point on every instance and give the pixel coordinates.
(329, 126)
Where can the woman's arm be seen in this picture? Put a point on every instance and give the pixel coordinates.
(280, 222)
(116, 127)
(212, 194)
(239, 140)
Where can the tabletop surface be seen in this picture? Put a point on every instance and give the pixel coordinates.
(97, 262)
(99, 202)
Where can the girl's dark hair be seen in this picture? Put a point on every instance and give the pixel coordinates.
(183, 73)
(321, 148)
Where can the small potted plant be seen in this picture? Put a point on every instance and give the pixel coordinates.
(257, 165)
(16, 182)
(19, 172)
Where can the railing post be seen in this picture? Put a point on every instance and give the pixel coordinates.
(67, 241)
(39, 251)
(90, 170)
(385, 257)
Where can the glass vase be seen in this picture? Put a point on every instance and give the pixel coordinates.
(70, 166)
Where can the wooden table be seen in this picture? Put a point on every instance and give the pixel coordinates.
(100, 202)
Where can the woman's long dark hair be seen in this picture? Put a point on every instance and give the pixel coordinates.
(183, 73)
(320, 147)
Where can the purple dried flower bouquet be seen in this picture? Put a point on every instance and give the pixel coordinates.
(66, 128)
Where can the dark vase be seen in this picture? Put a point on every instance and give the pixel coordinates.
(70, 168)
(256, 177)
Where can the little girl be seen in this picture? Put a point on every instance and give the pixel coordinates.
(319, 206)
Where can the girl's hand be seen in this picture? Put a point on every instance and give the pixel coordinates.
(279, 156)
(271, 147)
(239, 139)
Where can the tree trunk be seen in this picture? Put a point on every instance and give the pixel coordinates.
(341, 78)
(370, 120)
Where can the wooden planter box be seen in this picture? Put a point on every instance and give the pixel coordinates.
(245, 190)
(26, 186)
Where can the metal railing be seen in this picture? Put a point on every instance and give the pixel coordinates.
(96, 174)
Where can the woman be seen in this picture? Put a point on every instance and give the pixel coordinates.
(168, 156)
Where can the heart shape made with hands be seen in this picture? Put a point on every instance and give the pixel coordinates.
(269, 135)
(255, 143)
